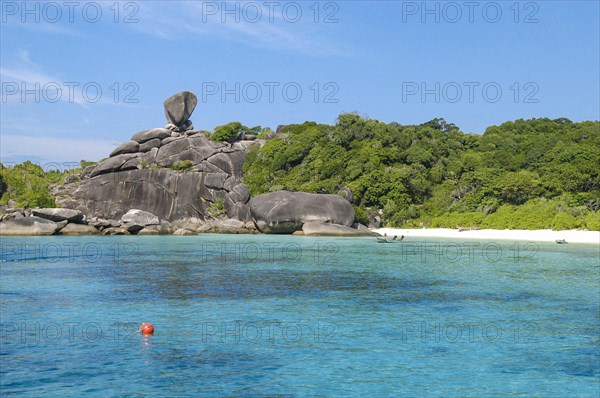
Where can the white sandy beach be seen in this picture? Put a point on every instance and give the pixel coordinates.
(544, 235)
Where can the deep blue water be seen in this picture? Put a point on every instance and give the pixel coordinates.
(294, 316)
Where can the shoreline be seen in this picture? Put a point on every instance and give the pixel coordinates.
(540, 235)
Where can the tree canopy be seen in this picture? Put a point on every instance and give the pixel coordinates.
(537, 173)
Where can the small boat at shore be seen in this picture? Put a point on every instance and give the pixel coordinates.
(384, 240)
(561, 241)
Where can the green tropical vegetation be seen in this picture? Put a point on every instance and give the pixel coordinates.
(233, 131)
(217, 208)
(526, 174)
(27, 183)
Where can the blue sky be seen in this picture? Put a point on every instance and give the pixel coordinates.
(475, 64)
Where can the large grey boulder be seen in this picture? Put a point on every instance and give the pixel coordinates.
(374, 220)
(147, 135)
(28, 226)
(184, 232)
(346, 193)
(196, 149)
(132, 228)
(230, 183)
(231, 223)
(239, 211)
(323, 229)
(215, 180)
(179, 107)
(126, 147)
(230, 163)
(164, 228)
(87, 171)
(286, 212)
(171, 138)
(243, 192)
(149, 145)
(114, 164)
(74, 216)
(78, 229)
(229, 226)
(140, 217)
(101, 224)
(12, 214)
(115, 231)
(71, 179)
(167, 194)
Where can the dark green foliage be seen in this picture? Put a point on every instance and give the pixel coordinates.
(361, 215)
(2, 184)
(261, 132)
(537, 173)
(217, 209)
(234, 131)
(229, 132)
(28, 183)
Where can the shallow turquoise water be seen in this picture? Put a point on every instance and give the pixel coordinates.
(295, 316)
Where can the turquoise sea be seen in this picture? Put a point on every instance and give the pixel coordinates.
(286, 316)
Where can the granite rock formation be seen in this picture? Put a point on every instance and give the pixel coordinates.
(28, 226)
(178, 109)
(170, 174)
(175, 180)
(286, 212)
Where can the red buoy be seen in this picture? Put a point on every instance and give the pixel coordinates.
(146, 328)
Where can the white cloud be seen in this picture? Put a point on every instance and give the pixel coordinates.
(26, 71)
(28, 76)
(24, 74)
(271, 30)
